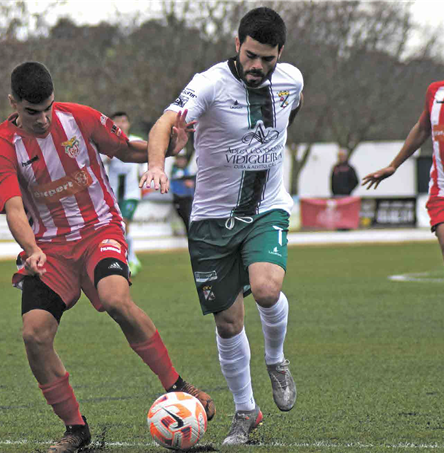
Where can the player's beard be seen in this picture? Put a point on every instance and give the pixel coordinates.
(242, 74)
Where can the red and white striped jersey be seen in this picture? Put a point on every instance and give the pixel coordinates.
(433, 118)
(60, 175)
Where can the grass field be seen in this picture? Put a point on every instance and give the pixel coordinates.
(366, 352)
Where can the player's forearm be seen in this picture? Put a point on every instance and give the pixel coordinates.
(19, 225)
(159, 140)
(417, 136)
(136, 152)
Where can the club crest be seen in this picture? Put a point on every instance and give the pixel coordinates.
(72, 147)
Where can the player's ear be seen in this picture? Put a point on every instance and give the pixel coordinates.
(280, 52)
(238, 44)
(12, 101)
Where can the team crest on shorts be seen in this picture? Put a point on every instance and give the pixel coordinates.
(208, 293)
(72, 147)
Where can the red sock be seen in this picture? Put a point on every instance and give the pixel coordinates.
(60, 395)
(154, 353)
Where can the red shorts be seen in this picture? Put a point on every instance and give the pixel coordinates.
(435, 208)
(70, 266)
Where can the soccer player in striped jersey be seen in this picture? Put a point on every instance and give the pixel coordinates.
(124, 179)
(61, 210)
(430, 123)
(240, 214)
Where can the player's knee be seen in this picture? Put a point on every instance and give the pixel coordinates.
(118, 307)
(36, 336)
(228, 329)
(266, 293)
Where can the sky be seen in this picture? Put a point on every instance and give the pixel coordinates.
(425, 12)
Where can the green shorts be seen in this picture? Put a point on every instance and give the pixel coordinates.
(220, 256)
(128, 208)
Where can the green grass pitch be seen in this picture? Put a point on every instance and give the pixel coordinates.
(367, 354)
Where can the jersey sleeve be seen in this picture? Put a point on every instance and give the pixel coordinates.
(196, 97)
(101, 130)
(9, 185)
(299, 86)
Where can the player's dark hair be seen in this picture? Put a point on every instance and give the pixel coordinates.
(119, 114)
(31, 81)
(264, 25)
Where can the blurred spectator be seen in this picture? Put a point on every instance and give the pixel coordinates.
(182, 184)
(343, 176)
(124, 179)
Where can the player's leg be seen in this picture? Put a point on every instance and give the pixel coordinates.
(220, 278)
(234, 359)
(42, 309)
(265, 252)
(107, 286)
(128, 208)
(439, 231)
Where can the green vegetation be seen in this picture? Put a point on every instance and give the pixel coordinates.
(367, 355)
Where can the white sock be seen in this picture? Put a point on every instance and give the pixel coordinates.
(274, 326)
(234, 358)
(131, 255)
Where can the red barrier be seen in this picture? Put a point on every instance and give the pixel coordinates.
(330, 213)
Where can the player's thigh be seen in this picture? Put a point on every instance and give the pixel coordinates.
(267, 240)
(265, 253)
(106, 255)
(62, 275)
(219, 273)
(266, 281)
(42, 310)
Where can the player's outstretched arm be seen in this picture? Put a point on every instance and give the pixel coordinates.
(24, 236)
(135, 151)
(180, 133)
(158, 143)
(419, 133)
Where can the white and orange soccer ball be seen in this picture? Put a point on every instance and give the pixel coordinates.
(177, 420)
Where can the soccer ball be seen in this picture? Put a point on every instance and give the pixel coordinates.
(177, 420)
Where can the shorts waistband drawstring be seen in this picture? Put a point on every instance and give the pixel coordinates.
(231, 221)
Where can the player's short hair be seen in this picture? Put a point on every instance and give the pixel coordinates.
(264, 25)
(119, 114)
(31, 81)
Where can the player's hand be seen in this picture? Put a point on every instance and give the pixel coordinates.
(156, 177)
(373, 179)
(34, 264)
(180, 133)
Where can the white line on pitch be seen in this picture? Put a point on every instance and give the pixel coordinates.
(319, 444)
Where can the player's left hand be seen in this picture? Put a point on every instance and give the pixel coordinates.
(157, 177)
(373, 179)
(34, 264)
(180, 133)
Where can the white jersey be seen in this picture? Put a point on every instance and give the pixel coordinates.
(240, 139)
(124, 177)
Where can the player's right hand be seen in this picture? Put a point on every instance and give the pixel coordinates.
(373, 179)
(157, 177)
(35, 262)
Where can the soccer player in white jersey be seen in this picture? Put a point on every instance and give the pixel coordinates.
(430, 123)
(61, 210)
(124, 179)
(239, 220)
